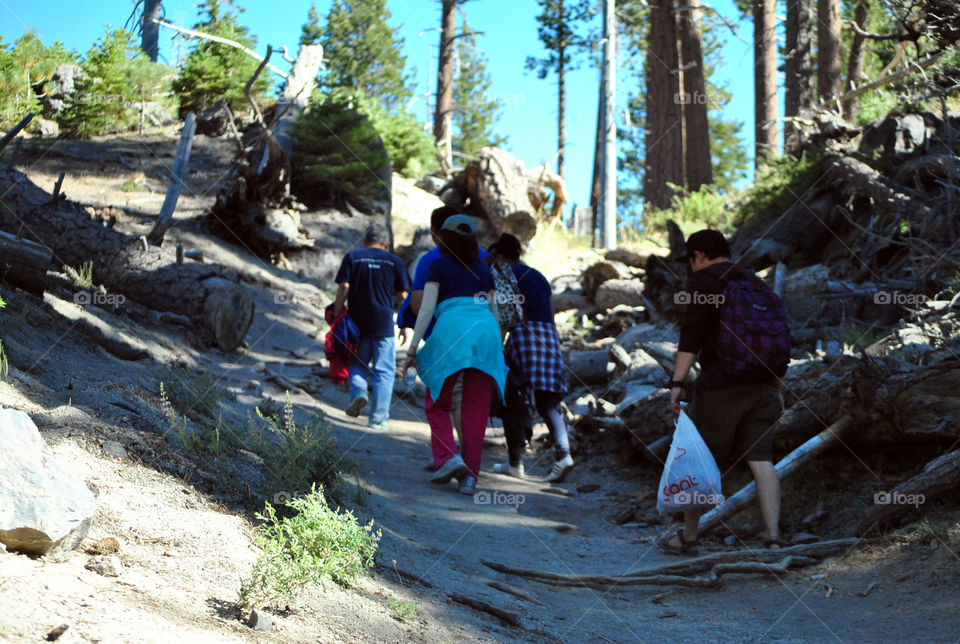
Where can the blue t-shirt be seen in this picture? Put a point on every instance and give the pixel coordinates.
(455, 280)
(375, 276)
(405, 317)
(536, 293)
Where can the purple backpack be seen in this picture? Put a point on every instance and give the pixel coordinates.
(753, 335)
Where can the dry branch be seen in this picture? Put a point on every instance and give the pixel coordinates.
(165, 219)
(510, 618)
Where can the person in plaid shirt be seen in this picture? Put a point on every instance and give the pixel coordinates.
(536, 367)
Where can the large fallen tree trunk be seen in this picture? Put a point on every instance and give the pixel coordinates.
(496, 186)
(23, 263)
(813, 447)
(940, 478)
(126, 265)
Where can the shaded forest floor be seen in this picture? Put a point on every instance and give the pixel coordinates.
(185, 551)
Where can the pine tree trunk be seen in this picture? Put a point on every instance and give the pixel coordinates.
(561, 108)
(596, 184)
(798, 67)
(767, 137)
(664, 135)
(443, 113)
(150, 41)
(149, 275)
(829, 68)
(858, 52)
(699, 169)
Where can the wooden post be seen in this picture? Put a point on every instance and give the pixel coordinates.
(790, 463)
(165, 220)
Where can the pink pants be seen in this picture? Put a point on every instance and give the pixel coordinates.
(474, 412)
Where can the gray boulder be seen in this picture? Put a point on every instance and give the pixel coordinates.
(62, 86)
(43, 507)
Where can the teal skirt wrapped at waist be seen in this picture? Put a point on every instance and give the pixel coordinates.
(465, 336)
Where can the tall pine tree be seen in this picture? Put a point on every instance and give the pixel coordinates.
(474, 111)
(363, 53)
(558, 24)
(311, 32)
(213, 70)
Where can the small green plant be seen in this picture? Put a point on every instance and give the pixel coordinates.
(192, 392)
(295, 456)
(129, 186)
(941, 531)
(82, 276)
(316, 544)
(703, 208)
(403, 610)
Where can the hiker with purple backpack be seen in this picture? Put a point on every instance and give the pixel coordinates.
(737, 328)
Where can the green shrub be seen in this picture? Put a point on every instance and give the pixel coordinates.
(705, 208)
(403, 610)
(192, 392)
(411, 148)
(777, 187)
(24, 70)
(316, 544)
(295, 456)
(116, 79)
(338, 152)
(214, 71)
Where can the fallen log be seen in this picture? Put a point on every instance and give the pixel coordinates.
(619, 291)
(23, 263)
(569, 300)
(588, 367)
(497, 188)
(127, 265)
(787, 466)
(852, 178)
(940, 478)
(598, 273)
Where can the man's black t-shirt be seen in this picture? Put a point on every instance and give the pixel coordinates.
(375, 276)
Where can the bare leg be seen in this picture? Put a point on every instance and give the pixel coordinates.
(768, 494)
(691, 519)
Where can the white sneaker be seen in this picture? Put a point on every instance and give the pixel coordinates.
(560, 470)
(453, 468)
(509, 470)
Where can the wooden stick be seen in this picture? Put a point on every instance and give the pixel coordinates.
(58, 185)
(165, 219)
(224, 41)
(510, 618)
(790, 463)
(16, 129)
(253, 79)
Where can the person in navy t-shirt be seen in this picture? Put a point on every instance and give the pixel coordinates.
(371, 280)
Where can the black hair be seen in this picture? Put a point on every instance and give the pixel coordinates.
(463, 248)
(508, 247)
(440, 215)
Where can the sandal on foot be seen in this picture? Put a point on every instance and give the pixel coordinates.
(686, 548)
(774, 541)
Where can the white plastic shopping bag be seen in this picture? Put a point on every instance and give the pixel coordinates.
(691, 478)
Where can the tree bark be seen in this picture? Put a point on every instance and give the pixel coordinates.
(798, 67)
(858, 51)
(588, 367)
(767, 136)
(497, 188)
(443, 114)
(940, 478)
(617, 291)
(23, 263)
(561, 91)
(829, 68)
(699, 166)
(150, 40)
(664, 131)
(148, 275)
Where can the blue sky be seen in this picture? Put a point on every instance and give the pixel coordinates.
(529, 105)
